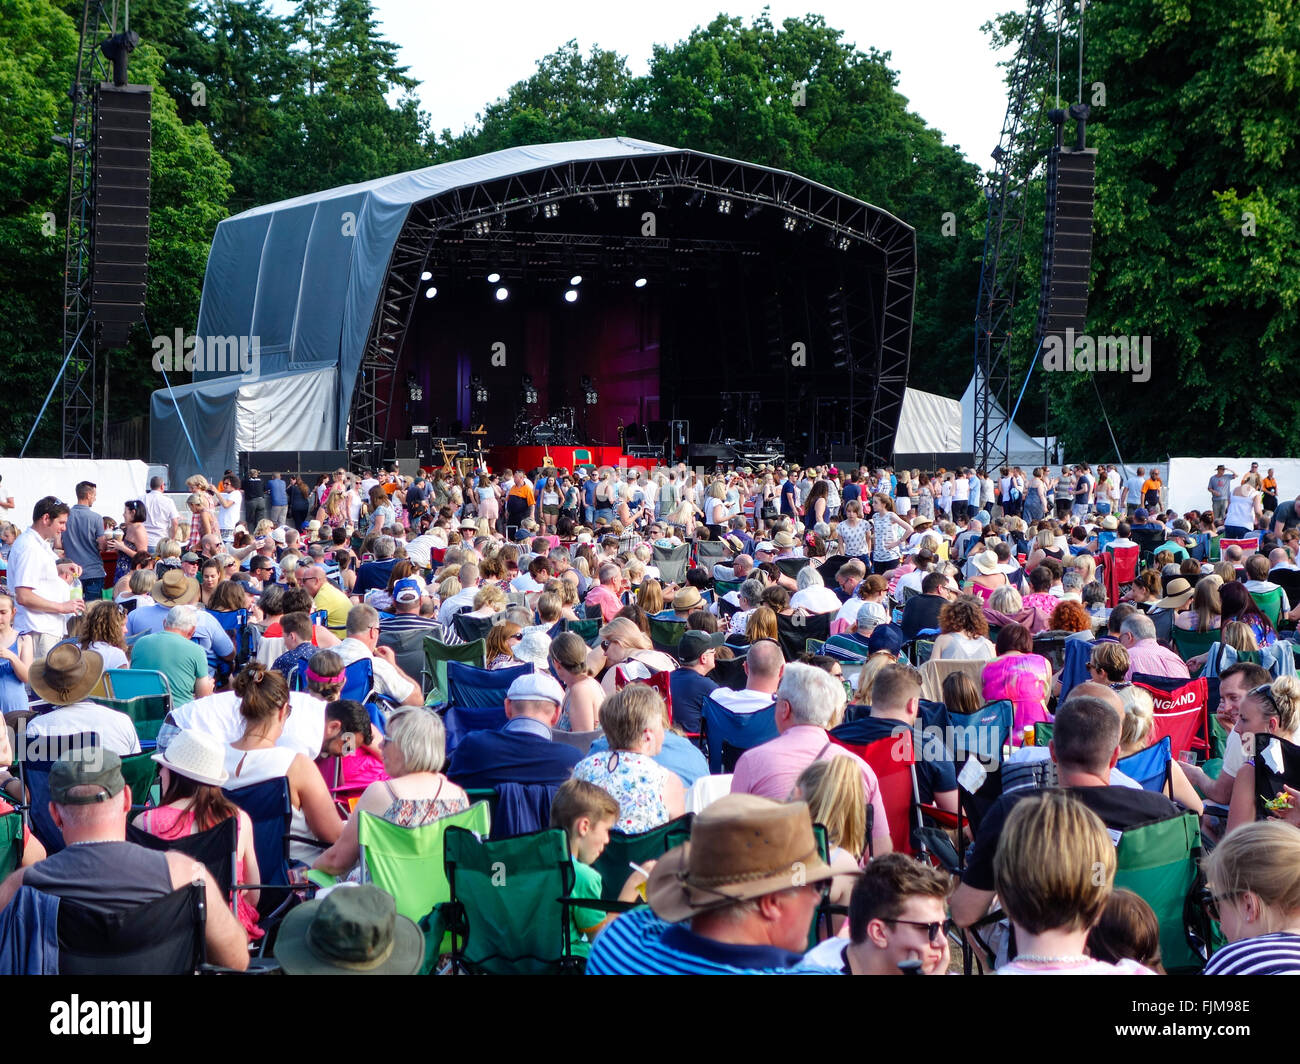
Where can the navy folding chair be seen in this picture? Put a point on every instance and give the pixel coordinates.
(235, 624)
(727, 735)
(794, 631)
(459, 721)
(36, 757)
(471, 686)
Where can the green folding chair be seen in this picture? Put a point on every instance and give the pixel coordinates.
(1193, 644)
(436, 656)
(147, 712)
(11, 842)
(588, 630)
(665, 635)
(726, 587)
(1043, 732)
(1159, 863)
(140, 771)
(504, 912)
(1270, 605)
(624, 850)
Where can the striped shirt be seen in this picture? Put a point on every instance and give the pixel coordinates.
(639, 943)
(1275, 954)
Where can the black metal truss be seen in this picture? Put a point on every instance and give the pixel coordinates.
(433, 230)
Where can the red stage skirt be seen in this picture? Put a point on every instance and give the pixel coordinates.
(561, 457)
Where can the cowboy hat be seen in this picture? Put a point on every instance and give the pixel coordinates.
(354, 930)
(175, 589)
(741, 847)
(986, 562)
(1108, 523)
(66, 674)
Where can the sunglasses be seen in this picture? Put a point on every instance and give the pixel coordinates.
(936, 931)
(1210, 901)
(605, 643)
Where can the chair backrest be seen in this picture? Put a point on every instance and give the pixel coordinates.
(1158, 862)
(11, 842)
(1193, 644)
(894, 763)
(147, 712)
(1248, 545)
(1289, 581)
(660, 681)
(936, 670)
(359, 680)
(216, 849)
(580, 741)
(1179, 729)
(624, 849)
(709, 550)
(671, 562)
(319, 617)
(471, 628)
(407, 862)
(160, 937)
(739, 731)
(139, 772)
(270, 808)
(665, 634)
(830, 567)
(726, 587)
(588, 630)
(459, 721)
(1271, 751)
(730, 674)
(408, 649)
(36, 756)
(468, 685)
(793, 631)
(1075, 668)
(436, 656)
(1052, 647)
(515, 923)
(1270, 604)
(791, 567)
(136, 683)
(1149, 767)
(1189, 700)
(235, 624)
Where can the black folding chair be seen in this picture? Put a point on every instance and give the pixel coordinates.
(161, 937)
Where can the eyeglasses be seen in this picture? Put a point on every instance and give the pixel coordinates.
(937, 931)
(1210, 901)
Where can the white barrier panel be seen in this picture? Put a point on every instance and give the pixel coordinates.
(30, 479)
(1189, 478)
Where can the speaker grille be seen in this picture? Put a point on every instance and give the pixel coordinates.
(1067, 241)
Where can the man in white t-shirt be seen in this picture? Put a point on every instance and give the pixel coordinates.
(43, 600)
(230, 501)
(218, 715)
(160, 518)
(64, 678)
(363, 642)
(764, 665)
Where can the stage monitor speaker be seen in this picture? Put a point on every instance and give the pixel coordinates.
(1067, 241)
(119, 230)
(304, 463)
(842, 454)
(710, 453)
(404, 449)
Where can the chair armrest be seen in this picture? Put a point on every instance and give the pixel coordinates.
(944, 818)
(321, 878)
(597, 903)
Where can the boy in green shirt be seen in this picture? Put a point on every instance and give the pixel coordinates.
(586, 814)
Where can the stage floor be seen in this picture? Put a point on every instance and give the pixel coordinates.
(565, 456)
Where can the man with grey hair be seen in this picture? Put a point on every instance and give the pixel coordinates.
(468, 577)
(808, 702)
(606, 594)
(1137, 635)
(747, 598)
(373, 575)
(363, 642)
(173, 654)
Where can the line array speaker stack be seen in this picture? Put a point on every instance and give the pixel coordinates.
(120, 221)
(1067, 241)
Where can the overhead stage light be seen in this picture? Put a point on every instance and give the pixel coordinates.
(571, 296)
(502, 294)
(623, 199)
(639, 282)
(493, 278)
(695, 198)
(751, 211)
(789, 223)
(426, 276)
(482, 228)
(575, 280)
(551, 210)
(724, 206)
(478, 388)
(430, 292)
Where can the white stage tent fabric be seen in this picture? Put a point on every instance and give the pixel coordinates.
(29, 479)
(1189, 478)
(293, 411)
(935, 424)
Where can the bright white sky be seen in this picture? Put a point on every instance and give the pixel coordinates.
(466, 55)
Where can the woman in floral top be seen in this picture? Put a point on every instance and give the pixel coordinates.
(647, 793)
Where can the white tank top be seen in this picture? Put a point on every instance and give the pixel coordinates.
(1241, 511)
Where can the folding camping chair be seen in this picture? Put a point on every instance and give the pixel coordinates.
(671, 563)
(791, 567)
(1270, 604)
(623, 849)
(727, 735)
(471, 629)
(436, 656)
(665, 635)
(793, 631)
(408, 649)
(36, 757)
(894, 763)
(588, 630)
(1150, 768)
(1159, 862)
(235, 624)
(160, 937)
(708, 552)
(1190, 644)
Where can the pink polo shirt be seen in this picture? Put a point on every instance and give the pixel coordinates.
(608, 602)
(771, 770)
(1149, 658)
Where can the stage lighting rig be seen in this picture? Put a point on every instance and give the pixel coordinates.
(591, 396)
(478, 388)
(529, 392)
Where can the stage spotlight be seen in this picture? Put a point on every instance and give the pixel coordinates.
(695, 198)
(571, 296)
(639, 282)
(482, 228)
(551, 210)
(529, 392)
(844, 243)
(430, 292)
(724, 206)
(414, 389)
(590, 203)
(426, 276)
(478, 388)
(789, 224)
(575, 280)
(502, 294)
(592, 398)
(998, 153)
(493, 278)
(623, 199)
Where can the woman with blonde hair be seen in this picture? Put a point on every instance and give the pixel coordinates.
(1245, 508)
(836, 799)
(761, 624)
(867, 676)
(1269, 709)
(1253, 879)
(489, 600)
(1054, 871)
(650, 597)
(623, 646)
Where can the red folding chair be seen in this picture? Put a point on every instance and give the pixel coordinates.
(894, 763)
(1180, 727)
(658, 680)
(1174, 698)
(1121, 568)
(1250, 546)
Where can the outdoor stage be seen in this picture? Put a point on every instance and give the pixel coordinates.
(560, 457)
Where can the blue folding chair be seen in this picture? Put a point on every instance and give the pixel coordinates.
(34, 773)
(270, 808)
(235, 624)
(1075, 671)
(727, 735)
(469, 686)
(981, 735)
(319, 617)
(1150, 768)
(359, 686)
(459, 721)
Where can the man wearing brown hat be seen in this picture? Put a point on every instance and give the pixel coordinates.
(64, 678)
(177, 589)
(98, 868)
(738, 897)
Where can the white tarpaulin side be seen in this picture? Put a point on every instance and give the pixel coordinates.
(294, 411)
(1022, 449)
(1189, 478)
(928, 424)
(29, 479)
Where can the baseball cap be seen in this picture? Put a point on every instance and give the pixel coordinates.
(766, 545)
(886, 637)
(536, 687)
(692, 645)
(90, 766)
(407, 590)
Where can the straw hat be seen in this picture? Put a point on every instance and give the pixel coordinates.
(986, 563)
(1176, 594)
(687, 598)
(196, 756)
(175, 589)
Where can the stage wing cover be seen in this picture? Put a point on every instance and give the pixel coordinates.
(307, 272)
(290, 411)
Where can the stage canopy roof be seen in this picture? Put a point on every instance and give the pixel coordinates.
(305, 276)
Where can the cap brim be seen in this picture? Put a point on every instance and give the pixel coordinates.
(297, 958)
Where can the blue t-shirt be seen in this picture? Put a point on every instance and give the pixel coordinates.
(81, 540)
(275, 491)
(589, 492)
(689, 690)
(851, 492)
(789, 498)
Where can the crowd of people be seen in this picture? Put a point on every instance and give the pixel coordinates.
(573, 577)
